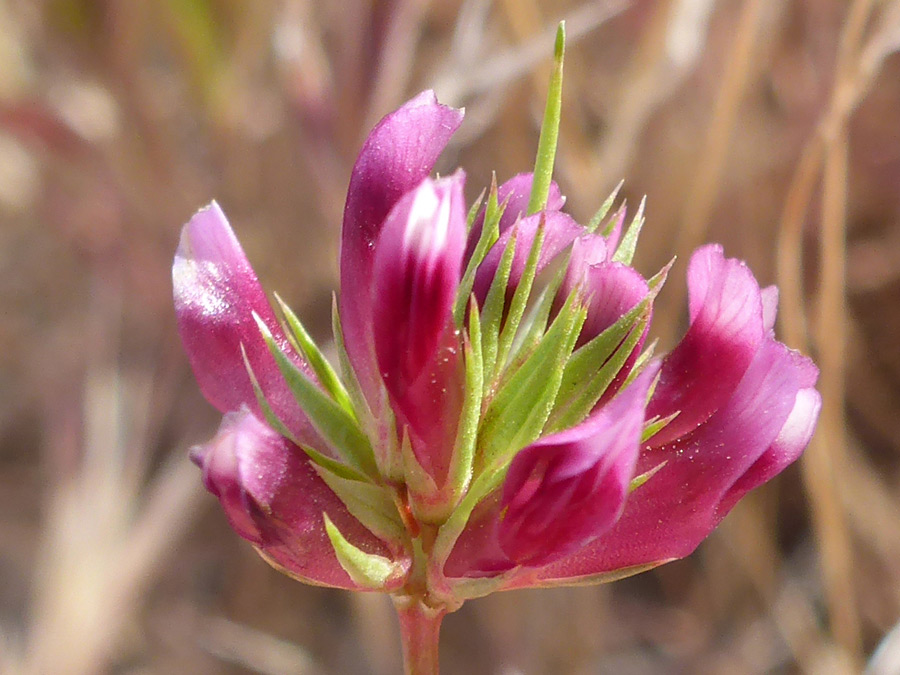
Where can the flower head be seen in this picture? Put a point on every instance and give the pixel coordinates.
(484, 431)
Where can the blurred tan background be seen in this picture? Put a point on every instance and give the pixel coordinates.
(772, 127)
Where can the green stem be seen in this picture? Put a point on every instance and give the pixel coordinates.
(420, 628)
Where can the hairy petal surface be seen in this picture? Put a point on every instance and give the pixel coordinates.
(517, 190)
(765, 424)
(726, 331)
(399, 152)
(274, 498)
(216, 293)
(568, 488)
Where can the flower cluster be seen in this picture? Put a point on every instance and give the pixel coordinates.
(495, 420)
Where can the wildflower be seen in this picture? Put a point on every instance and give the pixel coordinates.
(484, 431)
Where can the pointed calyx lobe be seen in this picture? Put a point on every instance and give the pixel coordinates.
(397, 155)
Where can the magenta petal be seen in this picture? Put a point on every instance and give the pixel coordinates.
(613, 289)
(703, 474)
(431, 407)
(560, 231)
(588, 249)
(216, 293)
(518, 191)
(399, 152)
(769, 297)
(415, 276)
(568, 488)
(618, 220)
(273, 497)
(726, 330)
(792, 440)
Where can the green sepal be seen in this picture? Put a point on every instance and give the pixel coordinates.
(494, 304)
(519, 409)
(548, 140)
(370, 504)
(625, 251)
(490, 233)
(613, 220)
(657, 424)
(598, 217)
(658, 280)
(640, 363)
(520, 296)
(417, 479)
(593, 366)
(383, 428)
(368, 570)
(645, 357)
(316, 359)
(273, 421)
(637, 481)
(348, 375)
(478, 587)
(449, 532)
(336, 426)
(534, 326)
(599, 578)
(462, 462)
(585, 380)
(473, 211)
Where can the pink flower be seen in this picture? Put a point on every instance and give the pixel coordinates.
(481, 435)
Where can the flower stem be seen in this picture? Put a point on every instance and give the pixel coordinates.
(420, 628)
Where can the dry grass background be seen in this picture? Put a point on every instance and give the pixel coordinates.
(772, 127)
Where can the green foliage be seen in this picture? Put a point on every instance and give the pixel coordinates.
(494, 306)
(519, 409)
(326, 375)
(603, 210)
(462, 462)
(549, 138)
(339, 429)
(625, 252)
(366, 569)
(520, 297)
(370, 504)
(490, 233)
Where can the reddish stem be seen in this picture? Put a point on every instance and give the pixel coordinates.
(420, 628)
